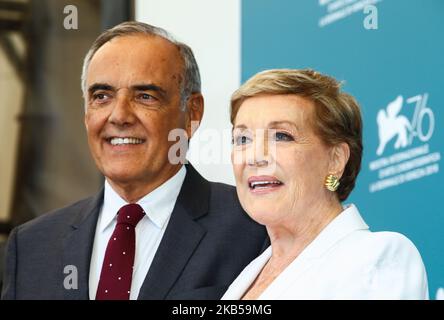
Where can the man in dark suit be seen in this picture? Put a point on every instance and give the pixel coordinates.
(157, 230)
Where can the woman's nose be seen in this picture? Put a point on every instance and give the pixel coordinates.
(259, 154)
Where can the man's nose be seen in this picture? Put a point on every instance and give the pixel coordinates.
(122, 113)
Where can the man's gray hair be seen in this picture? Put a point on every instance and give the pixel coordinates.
(191, 78)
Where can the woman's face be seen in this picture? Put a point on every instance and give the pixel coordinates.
(279, 162)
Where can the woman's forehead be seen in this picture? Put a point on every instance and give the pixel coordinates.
(275, 110)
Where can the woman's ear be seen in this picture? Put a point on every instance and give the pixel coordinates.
(340, 154)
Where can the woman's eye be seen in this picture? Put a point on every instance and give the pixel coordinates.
(240, 140)
(282, 136)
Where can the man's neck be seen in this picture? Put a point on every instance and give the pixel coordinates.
(133, 191)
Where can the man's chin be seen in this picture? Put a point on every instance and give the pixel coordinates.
(121, 178)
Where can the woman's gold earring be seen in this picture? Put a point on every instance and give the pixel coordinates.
(331, 182)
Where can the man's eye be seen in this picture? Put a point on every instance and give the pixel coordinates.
(241, 140)
(99, 96)
(282, 136)
(146, 96)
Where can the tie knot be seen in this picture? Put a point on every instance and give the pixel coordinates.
(130, 214)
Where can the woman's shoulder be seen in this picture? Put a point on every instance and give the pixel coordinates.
(387, 264)
(376, 244)
(387, 244)
(389, 257)
(389, 240)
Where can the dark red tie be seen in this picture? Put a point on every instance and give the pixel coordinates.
(117, 268)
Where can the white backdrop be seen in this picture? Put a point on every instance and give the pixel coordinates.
(212, 29)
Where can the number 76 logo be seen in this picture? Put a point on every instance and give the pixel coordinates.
(391, 124)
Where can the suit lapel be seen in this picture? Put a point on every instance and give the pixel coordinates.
(77, 246)
(181, 238)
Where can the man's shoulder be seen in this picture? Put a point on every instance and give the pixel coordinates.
(220, 189)
(56, 218)
(225, 209)
(223, 196)
(226, 221)
(200, 194)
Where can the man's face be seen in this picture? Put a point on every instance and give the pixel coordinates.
(132, 103)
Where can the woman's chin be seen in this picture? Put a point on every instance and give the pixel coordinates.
(262, 216)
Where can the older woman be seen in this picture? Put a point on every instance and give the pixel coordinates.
(297, 148)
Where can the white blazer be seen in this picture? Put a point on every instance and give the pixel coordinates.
(345, 261)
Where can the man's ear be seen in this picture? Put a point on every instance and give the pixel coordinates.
(340, 154)
(85, 121)
(195, 110)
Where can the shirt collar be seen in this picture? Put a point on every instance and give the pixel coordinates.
(158, 204)
(347, 221)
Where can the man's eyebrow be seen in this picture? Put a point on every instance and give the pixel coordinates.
(100, 86)
(140, 87)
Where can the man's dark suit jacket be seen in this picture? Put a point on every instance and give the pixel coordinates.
(207, 243)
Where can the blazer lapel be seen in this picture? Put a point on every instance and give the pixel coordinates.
(77, 246)
(181, 237)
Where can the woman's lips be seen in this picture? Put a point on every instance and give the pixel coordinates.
(264, 184)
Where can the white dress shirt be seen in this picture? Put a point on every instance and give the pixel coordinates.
(345, 261)
(158, 206)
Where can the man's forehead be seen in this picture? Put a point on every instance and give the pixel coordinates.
(138, 44)
(135, 59)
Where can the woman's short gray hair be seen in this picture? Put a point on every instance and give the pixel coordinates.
(191, 77)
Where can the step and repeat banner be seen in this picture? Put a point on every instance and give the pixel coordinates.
(390, 55)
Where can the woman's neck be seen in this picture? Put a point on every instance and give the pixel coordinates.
(290, 238)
